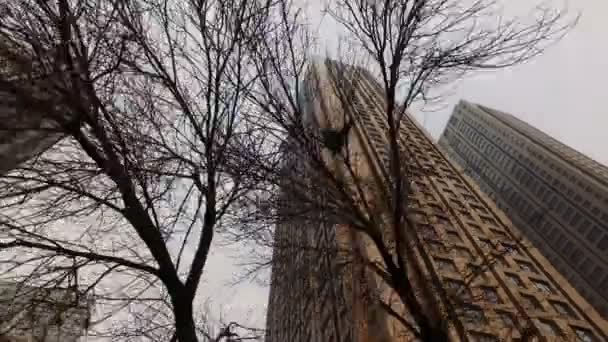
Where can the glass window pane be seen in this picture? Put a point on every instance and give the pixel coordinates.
(584, 335)
(542, 286)
(563, 309)
(548, 327)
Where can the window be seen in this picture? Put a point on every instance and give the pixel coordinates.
(464, 213)
(443, 221)
(462, 253)
(526, 266)
(414, 204)
(485, 244)
(472, 314)
(540, 191)
(567, 247)
(603, 244)
(582, 228)
(563, 309)
(575, 219)
(568, 213)
(553, 202)
(469, 198)
(584, 335)
(481, 337)
(597, 275)
(436, 247)
(499, 233)
(453, 237)
(512, 249)
(458, 290)
(445, 265)
(548, 327)
(428, 232)
(479, 208)
(458, 204)
(490, 295)
(530, 302)
(488, 220)
(448, 191)
(435, 208)
(546, 227)
(418, 217)
(513, 279)
(586, 266)
(593, 234)
(476, 272)
(476, 229)
(576, 255)
(506, 318)
(502, 261)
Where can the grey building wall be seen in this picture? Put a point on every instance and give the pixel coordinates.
(41, 314)
(29, 108)
(23, 136)
(555, 195)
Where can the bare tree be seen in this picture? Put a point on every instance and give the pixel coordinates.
(147, 97)
(416, 47)
(175, 118)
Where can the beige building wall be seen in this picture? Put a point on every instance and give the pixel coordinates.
(466, 258)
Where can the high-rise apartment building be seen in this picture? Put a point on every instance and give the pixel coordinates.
(26, 126)
(468, 259)
(555, 195)
(33, 314)
(22, 134)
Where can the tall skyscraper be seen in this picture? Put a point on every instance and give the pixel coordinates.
(469, 259)
(555, 195)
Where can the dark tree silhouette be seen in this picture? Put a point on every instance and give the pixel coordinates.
(147, 99)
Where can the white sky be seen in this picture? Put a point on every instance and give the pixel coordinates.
(562, 92)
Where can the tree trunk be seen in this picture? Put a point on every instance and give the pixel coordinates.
(430, 331)
(185, 329)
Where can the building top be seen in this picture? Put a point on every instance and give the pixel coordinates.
(585, 164)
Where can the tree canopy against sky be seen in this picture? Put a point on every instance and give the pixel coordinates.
(173, 114)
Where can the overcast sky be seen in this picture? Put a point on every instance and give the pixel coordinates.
(562, 93)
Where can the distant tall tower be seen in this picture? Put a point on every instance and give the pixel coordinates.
(469, 260)
(555, 195)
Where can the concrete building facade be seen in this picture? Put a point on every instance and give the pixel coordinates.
(555, 195)
(32, 314)
(468, 260)
(28, 102)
